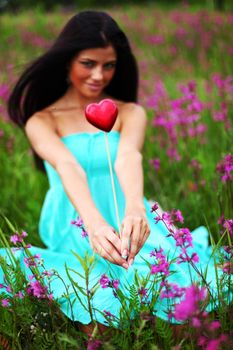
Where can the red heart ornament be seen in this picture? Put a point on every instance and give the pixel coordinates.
(102, 115)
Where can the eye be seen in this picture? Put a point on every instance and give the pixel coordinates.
(110, 65)
(88, 64)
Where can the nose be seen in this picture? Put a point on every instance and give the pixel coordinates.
(97, 73)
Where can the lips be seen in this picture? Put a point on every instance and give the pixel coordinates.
(95, 87)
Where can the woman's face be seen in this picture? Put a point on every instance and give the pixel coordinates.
(92, 70)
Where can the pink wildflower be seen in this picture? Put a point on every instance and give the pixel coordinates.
(161, 264)
(228, 268)
(109, 314)
(177, 216)
(31, 260)
(104, 281)
(183, 237)
(18, 238)
(171, 290)
(184, 257)
(155, 163)
(215, 344)
(228, 225)
(196, 322)
(225, 168)
(37, 290)
(79, 223)
(115, 284)
(189, 306)
(154, 207)
(142, 292)
(19, 295)
(9, 289)
(15, 239)
(214, 325)
(5, 302)
(93, 344)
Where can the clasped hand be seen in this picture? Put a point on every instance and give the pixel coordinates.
(121, 249)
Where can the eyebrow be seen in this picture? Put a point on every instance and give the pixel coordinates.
(91, 60)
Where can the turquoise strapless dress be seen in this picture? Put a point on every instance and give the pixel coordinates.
(61, 237)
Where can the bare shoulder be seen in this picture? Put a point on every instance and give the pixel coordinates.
(40, 120)
(133, 112)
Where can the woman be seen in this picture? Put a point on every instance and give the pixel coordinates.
(91, 60)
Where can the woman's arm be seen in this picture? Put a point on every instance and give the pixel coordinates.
(49, 147)
(128, 167)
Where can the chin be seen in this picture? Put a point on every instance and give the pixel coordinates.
(94, 94)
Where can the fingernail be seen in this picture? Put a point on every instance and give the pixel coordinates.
(124, 254)
(131, 262)
(125, 266)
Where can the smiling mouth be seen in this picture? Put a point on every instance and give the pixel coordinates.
(95, 86)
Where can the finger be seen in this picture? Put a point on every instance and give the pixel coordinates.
(108, 252)
(115, 255)
(134, 243)
(146, 231)
(144, 238)
(114, 239)
(98, 249)
(125, 238)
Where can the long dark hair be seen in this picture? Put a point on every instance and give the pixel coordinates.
(45, 80)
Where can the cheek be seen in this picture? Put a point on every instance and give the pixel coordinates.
(78, 73)
(109, 75)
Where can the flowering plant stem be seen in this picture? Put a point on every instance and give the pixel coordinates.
(112, 182)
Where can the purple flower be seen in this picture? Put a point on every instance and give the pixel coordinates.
(109, 314)
(161, 264)
(225, 168)
(48, 273)
(18, 238)
(19, 295)
(37, 290)
(221, 220)
(104, 281)
(79, 223)
(84, 233)
(183, 237)
(228, 268)
(142, 292)
(228, 225)
(196, 322)
(184, 257)
(4, 92)
(171, 290)
(93, 344)
(214, 325)
(157, 219)
(115, 284)
(31, 260)
(24, 234)
(155, 163)
(229, 251)
(177, 216)
(9, 289)
(154, 207)
(5, 302)
(190, 305)
(15, 239)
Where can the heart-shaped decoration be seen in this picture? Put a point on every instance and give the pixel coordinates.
(102, 115)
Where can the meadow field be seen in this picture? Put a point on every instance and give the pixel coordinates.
(185, 58)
